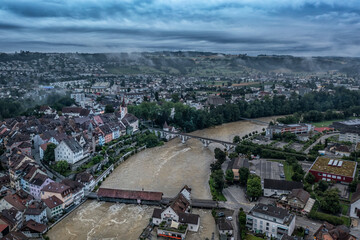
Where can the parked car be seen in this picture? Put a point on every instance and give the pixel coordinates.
(281, 165)
(229, 218)
(221, 214)
(252, 172)
(282, 175)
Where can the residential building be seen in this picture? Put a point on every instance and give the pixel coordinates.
(76, 188)
(12, 217)
(87, 180)
(276, 188)
(33, 229)
(36, 211)
(54, 207)
(16, 200)
(236, 164)
(328, 231)
(69, 150)
(349, 130)
(59, 190)
(37, 183)
(270, 220)
(331, 169)
(225, 228)
(175, 220)
(298, 200)
(355, 204)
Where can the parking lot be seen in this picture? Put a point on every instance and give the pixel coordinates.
(266, 169)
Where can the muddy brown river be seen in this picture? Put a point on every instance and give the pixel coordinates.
(166, 169)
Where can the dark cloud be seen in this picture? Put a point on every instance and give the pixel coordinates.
(9, 26)
(301, 27)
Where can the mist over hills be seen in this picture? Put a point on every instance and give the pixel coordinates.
(200, 63)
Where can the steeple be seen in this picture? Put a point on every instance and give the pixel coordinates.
(123, 109)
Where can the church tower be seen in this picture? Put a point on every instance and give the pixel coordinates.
(123, 109)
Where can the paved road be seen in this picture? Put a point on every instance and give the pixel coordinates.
(311, 224)
(322, 139)
(236, 199)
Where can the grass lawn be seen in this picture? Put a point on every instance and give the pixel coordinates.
(344, 209)
(347, 220)
(252, 237)
(324, 123)
(288, 171)
(327, 123)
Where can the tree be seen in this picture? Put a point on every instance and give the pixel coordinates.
(309, 178)
(62, 166)
(156, 96)
(322, 186)
(353, 186)
(242, 223)
(220, 155)
(175, 97)
(254, 189)
(236, 139)
(49, 154)
(243, 175)
(233, 155)
(109, 109)
(297, 177)
(229, 176)
(219, 182)
(330, 201)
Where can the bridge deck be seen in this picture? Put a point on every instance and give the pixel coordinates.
(197, 203)
(193, 136)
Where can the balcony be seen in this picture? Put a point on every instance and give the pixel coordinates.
(282, 231)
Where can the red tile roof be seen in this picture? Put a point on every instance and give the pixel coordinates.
(52, 201)
(128, 194)
(3, 226)
(34, 227)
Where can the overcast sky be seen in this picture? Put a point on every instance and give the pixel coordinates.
(296, 27)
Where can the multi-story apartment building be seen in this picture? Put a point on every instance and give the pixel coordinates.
(273, 221)
(349, 130)
(69, 150)
(61, 191)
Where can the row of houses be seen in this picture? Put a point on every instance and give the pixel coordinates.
(31, 198)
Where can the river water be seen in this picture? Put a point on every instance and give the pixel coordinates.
(166, 169)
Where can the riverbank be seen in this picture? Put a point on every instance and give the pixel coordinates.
(165, 168)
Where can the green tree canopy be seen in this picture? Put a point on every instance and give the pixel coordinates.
(330, 201)
(49, 154)
(62, 166)
(219, 182)
(236, 139)
(244, 175)
(254, 189)
(109, 108)
(229, 176)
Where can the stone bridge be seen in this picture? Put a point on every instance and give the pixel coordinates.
(184, 137)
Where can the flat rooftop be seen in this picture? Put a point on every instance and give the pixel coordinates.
(347, 168)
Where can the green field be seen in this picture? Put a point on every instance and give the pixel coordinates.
(329, 122)
(324, 123)
(288, 171)
(252, 237)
